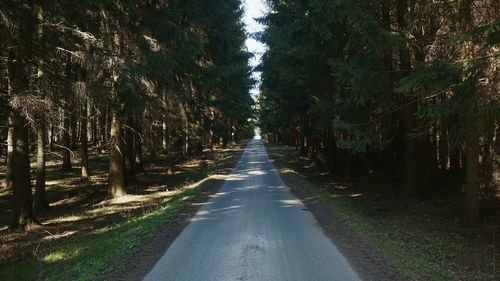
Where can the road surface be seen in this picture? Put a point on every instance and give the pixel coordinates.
(254, 228)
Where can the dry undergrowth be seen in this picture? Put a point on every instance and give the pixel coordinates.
(81, 209)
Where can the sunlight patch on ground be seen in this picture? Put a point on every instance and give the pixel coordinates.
(204, 215)
(59, 235)
(237, 177)
(62, 255)
(295, 202)
(257, 173)
(4, 191)
(219, 177)
(251, 187)
(287, 170)
(66, 201)
(356, 195)
(71, 218)
(219, 194)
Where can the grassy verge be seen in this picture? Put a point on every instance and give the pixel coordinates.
(425, 255)
(88, 257)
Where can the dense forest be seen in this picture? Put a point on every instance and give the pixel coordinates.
(404, 90)
(118, 77)
(126, 145)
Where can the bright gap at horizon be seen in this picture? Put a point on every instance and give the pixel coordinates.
(254, 9)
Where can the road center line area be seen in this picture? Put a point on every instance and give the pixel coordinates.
(254, 228)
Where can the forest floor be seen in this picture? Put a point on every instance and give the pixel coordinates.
(375, 228)
(84, 235)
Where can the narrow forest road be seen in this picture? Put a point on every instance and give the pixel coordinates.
(254, 228)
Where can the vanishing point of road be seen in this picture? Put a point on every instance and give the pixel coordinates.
(254, 228)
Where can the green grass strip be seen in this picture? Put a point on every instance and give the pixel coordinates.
(417, 261)
(106, 249)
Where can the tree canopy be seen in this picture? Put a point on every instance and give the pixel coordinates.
(404, 88)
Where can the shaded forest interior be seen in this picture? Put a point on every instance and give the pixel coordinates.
(91, 89)
(405, 93)
(107, 107)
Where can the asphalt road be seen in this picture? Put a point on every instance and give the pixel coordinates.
(254, 228)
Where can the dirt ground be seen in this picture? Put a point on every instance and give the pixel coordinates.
(432, 222)
(368, 261)
(365, 257)
(143, 260)
(80, 208)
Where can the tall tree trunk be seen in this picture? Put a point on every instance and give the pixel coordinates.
(331, 151)
(164, 136)
(116, 181)
(129, 149)
(18, 170)
(443, 148)
(103, 125)
(138, 138)
(66, 165)
(408, 118)
(51, 137)
(154, 142)
(3, 137)
(85, 175)
(472, 147)
(471, 186)
(18, 165)
(40, 201)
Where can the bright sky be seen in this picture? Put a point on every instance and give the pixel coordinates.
(254, 9)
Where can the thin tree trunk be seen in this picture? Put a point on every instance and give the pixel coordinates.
(85, 175)
(66, 165)
(51, 137)
(139, 163)
(164, 136)
(154, 142)
(116, 181)
(443, 149)
(40, 201)
(129, 149)
(471, 186)
(408, 118)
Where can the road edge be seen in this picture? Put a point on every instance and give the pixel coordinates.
(145, 257)
(366, 259)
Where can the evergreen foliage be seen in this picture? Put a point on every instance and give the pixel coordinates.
(396, 85)
(121, 74)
